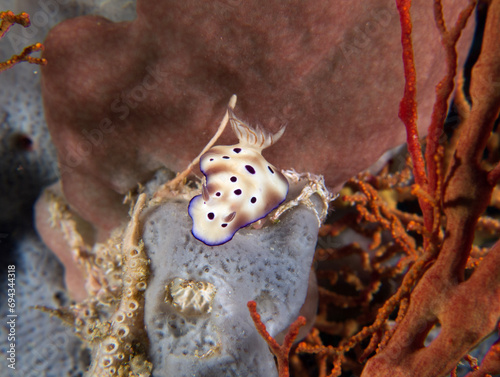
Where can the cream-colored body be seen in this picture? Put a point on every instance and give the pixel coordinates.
(241, 186)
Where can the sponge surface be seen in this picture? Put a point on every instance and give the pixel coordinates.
(196, 303)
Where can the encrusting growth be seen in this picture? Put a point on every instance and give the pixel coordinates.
(121, 350)
(119, 343)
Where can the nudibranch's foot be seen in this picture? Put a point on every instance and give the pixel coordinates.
(313, 194)
(183, 189)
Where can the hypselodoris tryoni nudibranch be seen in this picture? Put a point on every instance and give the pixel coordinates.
(240, 186)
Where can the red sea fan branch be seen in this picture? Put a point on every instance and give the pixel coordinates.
(8, 19)
(467, 310)
(452, 194)
(281, 352)
(408, 108)
(408, 105)
(444, 89)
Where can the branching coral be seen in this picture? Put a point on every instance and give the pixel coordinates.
(7, 20)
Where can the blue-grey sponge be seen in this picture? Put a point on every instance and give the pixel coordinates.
(196, 311)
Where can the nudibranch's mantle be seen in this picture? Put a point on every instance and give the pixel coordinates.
(241, 186)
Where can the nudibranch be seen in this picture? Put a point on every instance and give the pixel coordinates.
(240, 186)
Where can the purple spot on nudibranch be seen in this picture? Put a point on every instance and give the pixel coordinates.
(271, 170)
(237, 150)
(211, 159)
(237, 192)
(254, 199)
(250, 169)
(233, 179)
(223, 225)
(217, 193)
(225, 157)
(211, 216)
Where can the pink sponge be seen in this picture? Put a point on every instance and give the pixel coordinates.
(123, 99)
